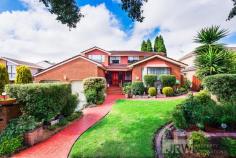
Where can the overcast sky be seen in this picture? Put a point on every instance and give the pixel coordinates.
(29, 32)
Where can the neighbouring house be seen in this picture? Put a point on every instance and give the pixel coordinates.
(116, 66)
(12, 64)
(190, 71)
(45, 64)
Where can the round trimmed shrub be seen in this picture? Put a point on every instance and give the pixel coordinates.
(152, 91)
(137, 88)
(4, 78)
(91, 96)
(150, 80)
(23, 75)
(168, 80)
(168, 91)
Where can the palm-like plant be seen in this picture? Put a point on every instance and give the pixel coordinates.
(212, 57)
(213, 61)
(210, 35)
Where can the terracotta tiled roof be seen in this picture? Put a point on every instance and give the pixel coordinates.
(132, 53)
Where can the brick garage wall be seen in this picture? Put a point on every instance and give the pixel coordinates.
(137, 70)
(77, 69)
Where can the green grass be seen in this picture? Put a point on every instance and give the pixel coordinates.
(127, 131)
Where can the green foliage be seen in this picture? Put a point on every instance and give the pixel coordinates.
(127, 89)
(23, 75)
(4, 78)
(187, 84)
(74, 116)
(152, 91)
(222, 85)
(210, 35)
(168, 91)
(168, 80)
(144, 46)
(200, 144)
(62, 122)
(149, 46)
(233, 11)
(181, 91)
(94, 89)
(44, 101)
(137, 88)
(225, 113)
(70, 106)
(150, 80)
(67, 11)
(229, 145)
(9, 145)
(213, 60)
(159, 45)
(179, 118)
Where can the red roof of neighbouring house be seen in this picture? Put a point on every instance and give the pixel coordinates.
(120, 67)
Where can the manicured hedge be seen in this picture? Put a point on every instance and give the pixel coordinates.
(168, 91)
(222, 85)
(150, 80)
(152, 91)
(168, 80)
(94, 89)
(137, 88)
(43, 101)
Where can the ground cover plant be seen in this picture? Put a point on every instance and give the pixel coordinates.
(127, 131)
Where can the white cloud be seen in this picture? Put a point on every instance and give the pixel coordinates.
(35, 35)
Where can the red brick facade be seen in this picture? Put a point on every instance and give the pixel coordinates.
(77, 69)
(137, 69)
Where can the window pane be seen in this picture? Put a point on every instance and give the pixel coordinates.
(158, 70)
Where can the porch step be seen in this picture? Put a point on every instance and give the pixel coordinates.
(114, 90)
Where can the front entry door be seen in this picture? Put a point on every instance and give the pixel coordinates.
(115, 79)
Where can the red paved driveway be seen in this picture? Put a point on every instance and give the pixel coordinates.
(59, 145)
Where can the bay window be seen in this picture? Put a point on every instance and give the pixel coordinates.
(98, 58)
(158, 70)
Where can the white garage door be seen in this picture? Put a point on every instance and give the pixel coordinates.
(77, 88)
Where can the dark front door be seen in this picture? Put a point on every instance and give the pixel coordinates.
(115, 78)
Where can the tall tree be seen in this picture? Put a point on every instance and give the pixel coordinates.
(144, 46)
(68, 12)
(233, 11)
(212, 57)
(149, 46)
(159, 45)
(4, 78)
(23, 75)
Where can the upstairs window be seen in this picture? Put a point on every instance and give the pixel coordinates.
(133, 59)
(158, 70)
(114, 60)
(98, 58)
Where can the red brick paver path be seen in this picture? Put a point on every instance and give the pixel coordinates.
(59, 145)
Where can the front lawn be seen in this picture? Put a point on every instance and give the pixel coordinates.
(127, 131)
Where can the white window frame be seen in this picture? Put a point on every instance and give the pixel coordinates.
(115, 58)
(166, 70)
(132, 59)
(97, 58)
(11, 69)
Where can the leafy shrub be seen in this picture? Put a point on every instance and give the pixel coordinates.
(91, 96)
(94, 86)
(23, 75)
(200, 144)
(62, 122)
(43, 101)
(127, 89)
(74, 116)
(127, 84)
(229, 145)
(187, 84)
(71, 105)
(181, 90)
(226, 114)
(4, 78)
(149, 80)
(9, 145)
(137, 88)
(168, 91)
(222, 85)
(168, 80)
(179, 118)
(152, 91)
